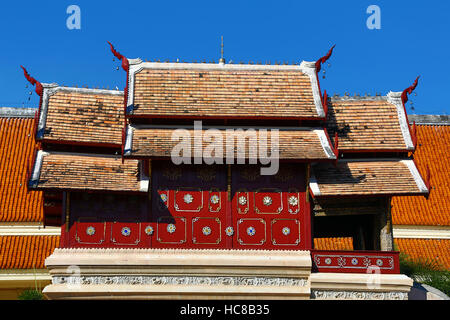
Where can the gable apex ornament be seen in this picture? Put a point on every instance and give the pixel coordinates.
(34, 82)
(409, 90)
(324, 59)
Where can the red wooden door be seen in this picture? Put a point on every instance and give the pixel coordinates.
(188, 205)
(270, 212)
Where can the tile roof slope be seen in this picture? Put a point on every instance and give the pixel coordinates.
(431, 250)
(17, 204)
(209, 90)
(364, 178)
(345, 244)
(26, 252)
(88, 172)
(293, 144)
(365, 124)
(84, 115)
(433, 149)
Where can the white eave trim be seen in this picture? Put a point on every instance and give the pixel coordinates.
(308, 68)
(416, 175)
(128, 141)
(144, 179)
(421, 232)
(314, 185)
(37, 166)
(27, 229)
(327, 148)
(395, 99)
(52, 88)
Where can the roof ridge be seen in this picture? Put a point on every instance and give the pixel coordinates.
(17, 112)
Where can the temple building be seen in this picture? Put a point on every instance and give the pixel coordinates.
(123, 220)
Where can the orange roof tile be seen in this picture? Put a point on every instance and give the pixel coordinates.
(211, 90)
(88, 172)
(433, 149)
(360, 177)
(365, 124)
(83, 116)
(17, 204)
(26, 252)
(333, 244)
(293, 144)
(437, 251)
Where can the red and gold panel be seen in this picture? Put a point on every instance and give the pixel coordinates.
(188, 201)
(285, 232)
(215, 201)
(293, 202)
(251, 231)
(171, 230)
(242, 202)
(88, 233)
(268, 201)
(356, 261)
(124, 233)
(163, 200)
(206, 230)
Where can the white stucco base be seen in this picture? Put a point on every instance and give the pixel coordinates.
(353, 286)
(178, 274)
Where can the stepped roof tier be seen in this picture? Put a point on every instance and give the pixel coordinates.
(367, 177)
(294, 143)
(197, 90)
(365, 124)
(70, 171)
(81, 116)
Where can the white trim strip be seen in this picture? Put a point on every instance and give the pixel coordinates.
(395, 99)
(38, 165)
(314, 185)
(421, 232)
(128, 141)
(416, 175)
(327, 148)
(144, 179)
(21, 229)
(308, 68)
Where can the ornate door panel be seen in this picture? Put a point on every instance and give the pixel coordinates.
(270, 212)
(189, 205)
(106, 220)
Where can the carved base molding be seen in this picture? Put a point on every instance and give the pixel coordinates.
(178, 274)
(351, 286)
(357, 295)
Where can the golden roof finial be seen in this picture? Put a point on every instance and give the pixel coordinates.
(222, 59)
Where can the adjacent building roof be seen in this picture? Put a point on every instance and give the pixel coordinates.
(26, 252)
(426, 250)
(193, 90)
(81, 115)
(367, 177)
(87, 172)
(345, 244)
(433, 149)
(293, 143)
(369, 123)
(17, 203)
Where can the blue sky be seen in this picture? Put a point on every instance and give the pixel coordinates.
(413, 40)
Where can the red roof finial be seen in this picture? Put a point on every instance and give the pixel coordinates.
(336, 144)
(125, 64)
(409, 90)
(324, 59)
(33, 81)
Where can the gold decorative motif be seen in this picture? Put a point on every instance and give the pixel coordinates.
(285, 174)
(250, 173)
(206, 173)
(172, 173)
